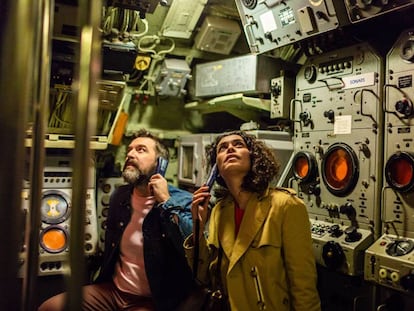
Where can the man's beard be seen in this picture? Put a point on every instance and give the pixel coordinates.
(134, 176)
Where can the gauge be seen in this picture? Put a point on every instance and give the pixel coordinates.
(340, 170)
(55, 207)
(310, 73)
(250, 4)
(54, 239)
(399, 171)
(304, 166)
(400, 247)
(407, 50)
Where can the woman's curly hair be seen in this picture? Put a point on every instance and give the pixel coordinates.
(264, 165)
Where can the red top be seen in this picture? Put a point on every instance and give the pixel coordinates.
(238, 216)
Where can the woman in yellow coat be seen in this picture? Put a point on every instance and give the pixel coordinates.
(264, 233)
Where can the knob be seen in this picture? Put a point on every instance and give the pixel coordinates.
(330, 114)
(276, 89)
(336, 231)
(395, 276)
(407, 282)
(348, 210)
(333, 255)
(352, 235)
(315, 189)
(405, 107)
(382, 273)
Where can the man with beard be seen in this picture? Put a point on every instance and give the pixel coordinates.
(143, 265)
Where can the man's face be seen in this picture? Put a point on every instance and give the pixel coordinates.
(141, 160)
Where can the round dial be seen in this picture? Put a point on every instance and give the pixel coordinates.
(250, 4)
(310, 73)
(55, 207)
(400, 248)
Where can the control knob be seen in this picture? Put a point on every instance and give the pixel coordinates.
(315, 189)
(333, 255)
(405, 107)
(276, 89)
(330, 114)
(352, 235)
(336, 231)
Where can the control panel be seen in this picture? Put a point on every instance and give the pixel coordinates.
(390, 262)
(270, 24)
(339, 247)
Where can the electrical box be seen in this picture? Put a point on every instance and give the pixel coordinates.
(66, 25)
(182, 17)
(271, 24)
(248, 74)
(172, 77)
(217, 35)
(282, 92)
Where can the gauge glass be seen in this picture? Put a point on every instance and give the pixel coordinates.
(54, 207)
(400, 248)
(302, 167)
(340, 169)
(401, 172)
(53, 239)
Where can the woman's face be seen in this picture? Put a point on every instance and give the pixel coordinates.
(233, 157)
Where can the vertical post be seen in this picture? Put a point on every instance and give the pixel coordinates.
(16, 85)
(41, 76)
(86, 115)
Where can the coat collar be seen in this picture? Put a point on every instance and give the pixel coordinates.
(254, 216)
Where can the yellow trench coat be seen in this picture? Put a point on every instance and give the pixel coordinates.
(270, 264)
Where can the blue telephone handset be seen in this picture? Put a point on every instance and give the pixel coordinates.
(162, 164)
(212, 176)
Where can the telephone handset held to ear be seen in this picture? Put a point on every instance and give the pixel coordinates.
(162, 164)
(209, 182)
(212, 176)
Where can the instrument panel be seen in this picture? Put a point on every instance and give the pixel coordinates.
(271, 24)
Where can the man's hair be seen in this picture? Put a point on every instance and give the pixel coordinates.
(264, 165)
(161, 149)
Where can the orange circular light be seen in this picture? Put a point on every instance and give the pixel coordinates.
(338, 166)
(54, 239)
(304, 166)
(340, 170)
(399, 171)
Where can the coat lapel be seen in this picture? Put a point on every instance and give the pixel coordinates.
(254, 216)
(227, 227)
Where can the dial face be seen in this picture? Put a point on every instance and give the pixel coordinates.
(400, 248)
(54, 239)
(54, 207)
(310, 73)
(250, 4)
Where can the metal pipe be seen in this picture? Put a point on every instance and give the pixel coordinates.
(86, 112)
(43, 51)
(16, 36)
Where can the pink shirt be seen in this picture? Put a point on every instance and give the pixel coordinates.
(130, 273)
